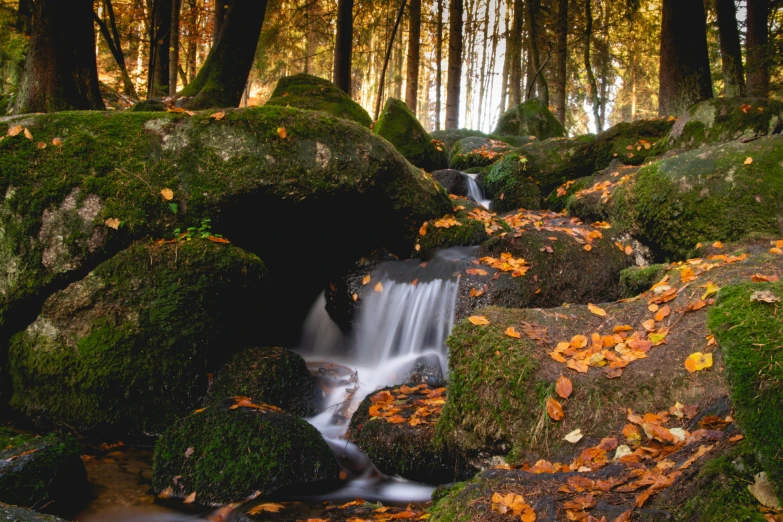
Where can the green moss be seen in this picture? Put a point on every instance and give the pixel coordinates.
(531, 118)
(750, 334)
(273, 376)
(636, 280)
(225, 455)
(304, 91)
(451, 136)
(400, 127)
(128, 348)
(470, 232)
(558, 203)
(19, 514)
(630, 142)
(509, 186)
(472, 153)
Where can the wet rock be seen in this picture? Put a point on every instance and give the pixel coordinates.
(127, 349)
(531, 118)
(476, 152)
(224, 454)
(451, 136)
(273, 376)
(509, 186)
(630, 142)
(454, 181)
(399, 126)
(470, 224)
(19, 514)
(40, 472)
(425, 369)
(305, 91)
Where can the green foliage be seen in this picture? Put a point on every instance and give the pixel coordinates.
(203, 231)
(635, 280)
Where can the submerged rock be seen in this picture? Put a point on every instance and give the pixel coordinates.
(476, 152)
(225, 452)
(305, 91)
(127, 349)
(531, 118)
(399, 126)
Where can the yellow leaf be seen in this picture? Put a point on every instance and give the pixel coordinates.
(113, 223)
(167, 194)
(366, 279)
(15, 130)
(271, 507)
(596, 310)
(698, 361)
(513, 333)
(355, 297)
(748, 161)
(27, 134)
(712, 289)
(190, 498)
(281, 132)
(379, 287)
(478, 320)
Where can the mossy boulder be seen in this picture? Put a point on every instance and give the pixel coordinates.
(476, 152)
(41, 471)
(531, 118)
(235, 169)
(630, 142)
(273, 376)
(454, 181)
(722, 120)
(400, 127)
(636, 280)
(127, 349)
(398, 447)
(749, 331)
(509, 186)
(451, 136)
(20, 514)
(225, 454)
(468, 225)
(305, 91)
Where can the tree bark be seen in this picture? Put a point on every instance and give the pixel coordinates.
(343, 46)
(595, 102)
(221, 8)
(455, 64)
(562, 57)
(386, 59)
(222, 79)
(174, 47)
(414, 42)
(112, 37)
(757, 48)
(160, 41)
(684, 61)
(60, 70)
(531, 16)
(515, 58)
(505, 71)
(438, 64)
(24, 17)
(730, 50)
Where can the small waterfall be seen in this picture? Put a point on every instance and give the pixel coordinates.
(475, 191)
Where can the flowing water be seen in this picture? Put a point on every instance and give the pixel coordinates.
(476, 192)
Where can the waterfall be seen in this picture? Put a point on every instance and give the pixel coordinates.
(475, 191)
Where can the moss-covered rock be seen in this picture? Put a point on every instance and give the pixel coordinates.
(400, 127)
(20, 514)
(305, 91)
(235, 169)
(128, 348)
(630, 142)
(396, 446)
(273, 376)
(476, 152)
(722, 120)
(531, 118)
(509, 186)
(226, 454)
(153, 105)
(454, 181)
(750, 334)
(469, 225)
(451, 136)
(41, 471)
(635, 280)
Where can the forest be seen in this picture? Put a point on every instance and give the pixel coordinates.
(380, 260)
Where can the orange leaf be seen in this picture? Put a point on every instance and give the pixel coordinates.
(366, 279)
(748, 161)
(379, 287)
(167, 194)
(596, 310)
(221, 240)
(15, 130)
(190, 498)
(281, 132)
(578, 366)
(217, 116)
(478, 320)
(27, 134)
(563, 387)
(57, 142)
(113, 223)
(513, 333)
(588, 247)
(663, 313)
(554, 409)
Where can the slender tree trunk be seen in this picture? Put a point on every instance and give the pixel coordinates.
(414, 37)
(730, 50)
(192, 43)
(455, 64)
(386, 59)
(343, 47)
(489, 80)
(112, 37)
(531, 15)
(398, 59)
(174, 47)
(438, 64)
(504, 74)
(594, 100)
(562, 57)
(483, 68)
(469, 59)
(24, 17)
(221, 8)
(757, 48)
(605, 68)
(60, 70)
(160, 41)
(515, 60)
(684, 67)
(222, 79)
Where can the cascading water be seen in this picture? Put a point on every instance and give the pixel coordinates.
(475, 191)
(399, 330)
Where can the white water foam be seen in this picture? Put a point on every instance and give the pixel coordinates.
(476, 192)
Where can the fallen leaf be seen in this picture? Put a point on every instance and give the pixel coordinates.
(270, 507)
(588, 247)
(563, 387)
(760, 278)
(217, 116)
(574, 437)
(423, 230)
(379, 287)
(28, 134)
(366, 279)
(554, 409)
(220, 240)
(764, 491)
(737, 438)
(167, 194)
(748, 161)
(649, 325)
(166, 493)
(717, 244)
(57, 142)
(596, 310)
(764, 296)
(113, 223)
(15, 130)
(41, 145)
(712, 289)
(698, 361)
(513, 333)
(663, 313)
(478, 320)
(281, 132)
(355, 297)
(190, 498)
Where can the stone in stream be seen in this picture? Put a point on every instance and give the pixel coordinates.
(227, 451)
(475, 152)
(40, 472)
(508, 184)
(454, 181)
(531, 118)
(127, 349)
(399, 126)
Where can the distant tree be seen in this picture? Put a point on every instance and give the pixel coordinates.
(757, 48)
(730, 49)
(595, 100)
(562, 60)
(414, 37)
(112, 36)
(438, 63)
(174, 46)
(343, 47)
(532, 13)
(60, 71)
(684, 60)
(515, 54)
(455, 64)
(387, 56)
(160, 41)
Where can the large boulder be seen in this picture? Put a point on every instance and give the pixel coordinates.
(509, 186)
(305, 91)
(127, 349)
(454, 181)
(451, 136)
(630, 142)
(225, 452)
(243, 168)
(469, 225)
(531, 118)
(400, 127)
(41, 471)
(273, 376)
(476, 152)
(722, 120)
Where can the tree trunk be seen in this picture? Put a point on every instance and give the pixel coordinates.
(24, 17)
(174, 47)
(160, 41)
(562, 57)
(531, 15)
(222, 79)
(730, 50)
(595, 102)
(60, 70)
(515, 57)
(221, 8)
(438, 64)
(112, 37)
(386, 59)
(757, 48)
(455, 64)
(505, 71)
(414, 36)
(685, 66)
(343, 46)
